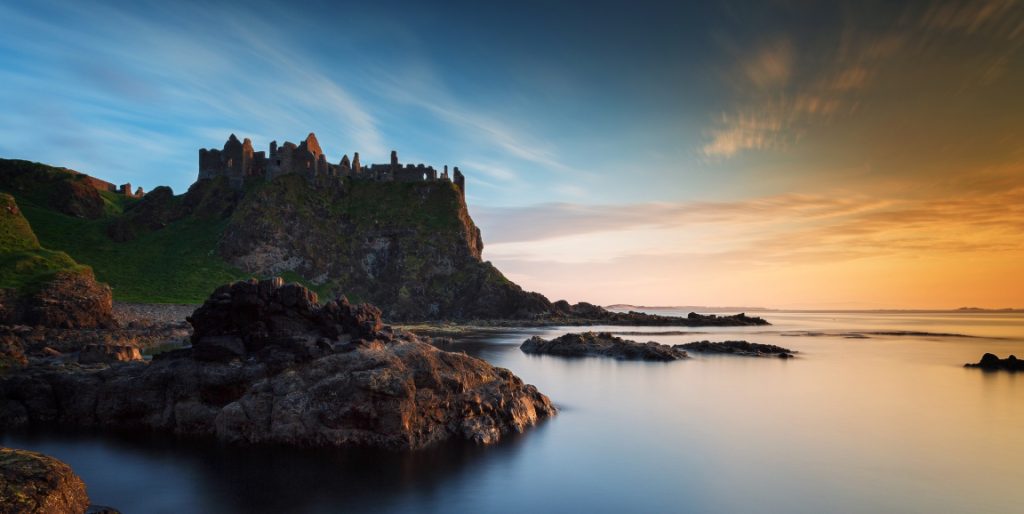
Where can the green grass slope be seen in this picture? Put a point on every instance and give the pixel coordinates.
(176, 264)
(24, 264)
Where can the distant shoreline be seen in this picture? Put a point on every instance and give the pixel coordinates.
(701, 308)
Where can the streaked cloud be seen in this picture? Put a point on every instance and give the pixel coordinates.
(774, 230)
(771, 66)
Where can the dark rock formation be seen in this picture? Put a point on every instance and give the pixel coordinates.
(33, 483)
(72, 299)
(12, 353)
(43, 287)
(601, 344)
(206, 199)
(63, 190)
(743, 348)
(77, 198)
(585, 313)
(107, 353)
(270, 365)
(410, 248)
(42, 342)
(992, 362)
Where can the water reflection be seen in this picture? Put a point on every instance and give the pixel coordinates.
(883, 423)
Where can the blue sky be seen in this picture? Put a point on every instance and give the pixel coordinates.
(527, 100)
(744, 153)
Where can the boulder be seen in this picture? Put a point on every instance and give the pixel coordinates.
(72, 299)
(31, 482)
(601, 344)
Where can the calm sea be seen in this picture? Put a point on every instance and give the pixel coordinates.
(862, 421)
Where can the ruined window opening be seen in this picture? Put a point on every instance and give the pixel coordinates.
(279, 162)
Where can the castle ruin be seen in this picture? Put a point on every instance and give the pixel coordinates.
(102, 185)
(238, 161)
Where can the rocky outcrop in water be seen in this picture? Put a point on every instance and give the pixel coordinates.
(601, 344)
(992, 362)
(269, 365)
(33, 483)
(588, 314)
(742, 348)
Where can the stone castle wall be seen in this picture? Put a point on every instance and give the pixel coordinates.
(103, 185)
(237, 161)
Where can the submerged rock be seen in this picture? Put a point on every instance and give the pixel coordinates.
(992, 362)
(743, 348)
(268, 364)
(31, 482)
(601, 344)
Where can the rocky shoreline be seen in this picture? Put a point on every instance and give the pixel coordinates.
(268, 364)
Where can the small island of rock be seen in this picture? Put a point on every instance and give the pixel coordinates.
(601, 344)
(992, 362)
(742, 348)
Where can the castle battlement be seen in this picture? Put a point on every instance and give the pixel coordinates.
(238, 161)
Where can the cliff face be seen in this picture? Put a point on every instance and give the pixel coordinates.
(400, 238)
(410, 248)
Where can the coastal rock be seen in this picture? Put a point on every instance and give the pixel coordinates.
(270, 365)
(12, 353)
(743, 348)
(106, 354)
(601, 344)
(71, 299)
(992, 362)
(31, 482)
(584, 313)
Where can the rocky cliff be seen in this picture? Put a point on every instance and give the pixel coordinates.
(411, 248)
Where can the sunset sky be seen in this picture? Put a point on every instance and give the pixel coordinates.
(784, 154)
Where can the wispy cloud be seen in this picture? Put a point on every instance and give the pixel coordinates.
(420, 88)
(775, 230)
(785, 88)
(162, 83)
(771, 66)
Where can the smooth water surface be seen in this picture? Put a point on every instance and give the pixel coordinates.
(861, 421)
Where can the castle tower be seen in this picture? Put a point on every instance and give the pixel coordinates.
(346, 167)
(356, 168)
(460, 181)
